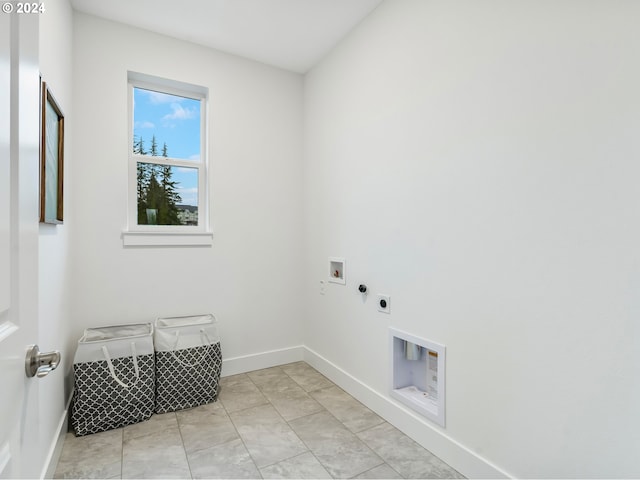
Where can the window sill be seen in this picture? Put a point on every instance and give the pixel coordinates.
(165, 239)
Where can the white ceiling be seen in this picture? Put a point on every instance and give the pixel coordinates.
(290, 34)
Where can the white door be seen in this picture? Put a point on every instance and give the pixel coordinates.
(19, 132)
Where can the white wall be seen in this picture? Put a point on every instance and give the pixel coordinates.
(55, 46)
(478, 161)
(250, 277)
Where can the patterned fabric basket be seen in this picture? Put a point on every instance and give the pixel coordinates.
(188, 362)
(113, 378)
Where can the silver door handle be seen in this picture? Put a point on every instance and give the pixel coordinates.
(40, 364)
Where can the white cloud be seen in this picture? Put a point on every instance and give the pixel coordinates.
(180, 113)
(157, 98)
(144, 125)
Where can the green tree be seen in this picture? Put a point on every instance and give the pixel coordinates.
(154, 167)
(138, 146)
(153, 200)
(156, 190)
(143, 185)
(154, 147)
(144, 177)
(168, 212)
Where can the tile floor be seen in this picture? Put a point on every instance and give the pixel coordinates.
(282, 422)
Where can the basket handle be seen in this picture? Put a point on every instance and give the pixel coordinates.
(204, 334)
(112, 370)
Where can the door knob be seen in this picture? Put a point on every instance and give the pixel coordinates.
(40, 364)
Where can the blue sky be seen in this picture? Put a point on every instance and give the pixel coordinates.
(175, 121)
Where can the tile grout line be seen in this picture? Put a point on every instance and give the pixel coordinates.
(378, 466)
(309, 450)
(238, 433)
(338, 420)
(354, 433)
(324, 409)
(280, 415)
(184, 447)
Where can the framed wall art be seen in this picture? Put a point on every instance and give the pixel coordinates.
(51, 159)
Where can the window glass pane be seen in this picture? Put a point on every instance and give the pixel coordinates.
(167, 195)
(165, 125)
(51, 160)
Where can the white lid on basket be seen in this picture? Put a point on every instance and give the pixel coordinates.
(116, 332)
(120, 341)
(189, 320)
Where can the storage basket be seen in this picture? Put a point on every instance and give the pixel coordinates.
(113, 378)
(188, 361)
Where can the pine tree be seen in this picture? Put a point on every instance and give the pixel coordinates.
(154, 147)
(154, 198)
(156, 190)
(144, 176)
(154, 167)
(143, 185)
(171, 198)
(138, 146)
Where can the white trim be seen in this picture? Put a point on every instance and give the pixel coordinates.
(418, 428)
(53, 457)
(186, 90)
(258, 361)
(172, 87)
(166, 239)
(450, 451)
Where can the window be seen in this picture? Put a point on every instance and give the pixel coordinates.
(167, 163)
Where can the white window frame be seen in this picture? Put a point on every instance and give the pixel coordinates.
(168, 235)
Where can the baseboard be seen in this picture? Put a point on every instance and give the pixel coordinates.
(56, 448)
(257, 361)
(468, 463)
(230, 366)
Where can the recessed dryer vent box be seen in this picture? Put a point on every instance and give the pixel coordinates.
(336, 270)
(417, 374)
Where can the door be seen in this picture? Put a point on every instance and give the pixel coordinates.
(19, 160)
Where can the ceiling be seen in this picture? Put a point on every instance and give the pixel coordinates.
(290, 34)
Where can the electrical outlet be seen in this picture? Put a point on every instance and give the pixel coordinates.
(323, 287)
(384, 303)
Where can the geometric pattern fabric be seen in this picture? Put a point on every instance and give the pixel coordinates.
(100, 403)
(188, 377)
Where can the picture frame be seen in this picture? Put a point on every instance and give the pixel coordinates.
(51, 159)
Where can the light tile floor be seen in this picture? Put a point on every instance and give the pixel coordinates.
(282, 422)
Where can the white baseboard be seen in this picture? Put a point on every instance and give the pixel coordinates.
(56, 447)
(230, 366)
(453, 453)
(468, 463)
(257, 361)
